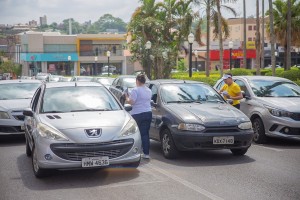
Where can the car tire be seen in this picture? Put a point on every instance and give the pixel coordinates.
(167, 145)
(239, 152)
(259, 131)
(28, 150)
(38, 172)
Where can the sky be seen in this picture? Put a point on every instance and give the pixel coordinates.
(23, 11)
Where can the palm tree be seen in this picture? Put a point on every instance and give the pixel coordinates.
(262, 61)
(288, 37)
(280, 13)
(257, 40)
(245, 36)
(272, 37)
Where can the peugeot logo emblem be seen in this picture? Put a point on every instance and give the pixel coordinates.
(93, 133)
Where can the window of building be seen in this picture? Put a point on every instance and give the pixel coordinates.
(249, 28)
(249, 39)
(254, 28)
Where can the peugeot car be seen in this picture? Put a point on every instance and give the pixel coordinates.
(77, 125)
(190, 115)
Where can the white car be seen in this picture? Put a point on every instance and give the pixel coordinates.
(15, 96)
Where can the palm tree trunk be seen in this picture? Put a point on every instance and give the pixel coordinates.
(288, 38)
(245, 36)
(220, 36)
(257, 40)
(207, 65)
(272, 37)
(262, 62)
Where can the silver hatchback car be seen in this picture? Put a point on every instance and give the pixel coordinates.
(272, 104)
(76, 125)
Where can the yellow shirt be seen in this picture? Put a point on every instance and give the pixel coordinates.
(233, 91)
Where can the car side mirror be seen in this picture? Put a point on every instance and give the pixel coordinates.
(28, 112)
(127, 107)
(245, 96)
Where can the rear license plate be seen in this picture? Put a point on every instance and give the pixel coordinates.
(95, 161)
(223, 140)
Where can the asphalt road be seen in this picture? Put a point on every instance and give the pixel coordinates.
(269, 171)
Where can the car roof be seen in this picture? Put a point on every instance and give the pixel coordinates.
(20, 81)
(270, 78)
(71, 84)
(168, 81)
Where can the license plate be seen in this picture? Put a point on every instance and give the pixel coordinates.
(223, 140)
(95, 161)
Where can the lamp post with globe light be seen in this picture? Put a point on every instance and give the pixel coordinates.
(108, 55)
(148, 47)
(191, 39)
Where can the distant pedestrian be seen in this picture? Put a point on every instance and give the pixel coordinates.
(140, 99)
(231, 90)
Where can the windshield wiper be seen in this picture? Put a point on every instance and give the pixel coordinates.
(217, 101)
(90, 109)
(292, 96)
(186, 101)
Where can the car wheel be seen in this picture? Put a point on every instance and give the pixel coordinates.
(167, 144)
(38, 172)
(239, 152)
(28, 150)
(259, 131)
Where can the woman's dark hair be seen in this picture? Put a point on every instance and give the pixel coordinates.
(141, 78)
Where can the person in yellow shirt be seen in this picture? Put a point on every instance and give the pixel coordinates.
(231, 90)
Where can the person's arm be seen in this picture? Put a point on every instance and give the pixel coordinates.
(130, 98)
(238, 93)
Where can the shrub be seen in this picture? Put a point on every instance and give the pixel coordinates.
(293, 74)
(240, 72)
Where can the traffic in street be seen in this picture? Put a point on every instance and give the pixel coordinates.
(269, 171)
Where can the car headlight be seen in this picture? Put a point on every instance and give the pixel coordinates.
(4, 115)
(130, 128)
(190, 127)
(50, 133)
(245, 125)
(278, 112)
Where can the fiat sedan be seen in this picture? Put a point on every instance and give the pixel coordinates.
(79, 125)
(190, 115)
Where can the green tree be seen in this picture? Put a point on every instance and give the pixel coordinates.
(10, 67)
(280, 12)
(107, 21)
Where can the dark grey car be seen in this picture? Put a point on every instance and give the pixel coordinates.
(189, 115)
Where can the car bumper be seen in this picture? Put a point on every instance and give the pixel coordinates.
(186, 141)
(282, 127)
(43, 148)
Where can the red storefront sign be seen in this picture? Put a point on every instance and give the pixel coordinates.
(235, 54)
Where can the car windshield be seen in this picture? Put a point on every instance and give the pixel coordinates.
(268, 88)
(187, 93)
(129, 82)
(77, 99)
(17, 90)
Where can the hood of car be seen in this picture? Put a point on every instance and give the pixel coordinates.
(77, 125)
(291, 104)
(14, 104)
(208, 114)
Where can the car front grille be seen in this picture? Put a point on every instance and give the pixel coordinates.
(75, 152)
(231, 129)
(296, 116)
(10, 129)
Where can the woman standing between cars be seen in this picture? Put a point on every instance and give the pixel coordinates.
(231, 90)
(140, 99)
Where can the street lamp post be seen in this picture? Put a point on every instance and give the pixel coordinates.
(95, 67)
(69, 61)
(148, 47)
(191, 39)
(108, 55)
(196, 57)
(230, 45)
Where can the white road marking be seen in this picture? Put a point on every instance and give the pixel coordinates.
(131, 184)
(185, 183)
(270, 148)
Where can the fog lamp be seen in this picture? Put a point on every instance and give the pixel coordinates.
(48, 157)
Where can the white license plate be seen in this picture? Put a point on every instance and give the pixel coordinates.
(223, 140)
(95, 161)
